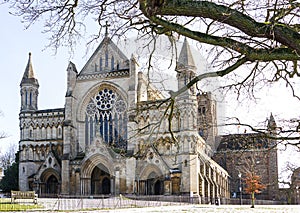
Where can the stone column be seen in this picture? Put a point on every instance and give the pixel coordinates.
(117, 183)
(77, 183)
(84, 186)
(112, 185)
(65, 177)
(130, 175)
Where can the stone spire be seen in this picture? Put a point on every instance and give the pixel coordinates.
(272, 123)
(185, 60)
(29, 76)
(186, 70)
(29, 88)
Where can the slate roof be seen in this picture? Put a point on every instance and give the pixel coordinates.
(246, 141)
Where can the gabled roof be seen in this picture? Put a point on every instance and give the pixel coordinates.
(186, 60)
(106, 46)
(29, 76)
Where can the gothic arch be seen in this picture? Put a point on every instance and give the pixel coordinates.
(50, 182)
(151, 180)
(49, 172)
(91, 93)
(91, 162)
(104, 111)
(150, 170)
(59, 132)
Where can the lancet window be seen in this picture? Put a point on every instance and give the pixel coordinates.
(30, 98)
(112, 63)
(101, 64)
(106, 118)
(106, 58)
(26, 97)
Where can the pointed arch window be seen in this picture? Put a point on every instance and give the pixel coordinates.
(106, 58)
(30, 134)
(26, 97)
(106, 117)
(59, 132)
(112, 62)
(100, 63)
(30, 98)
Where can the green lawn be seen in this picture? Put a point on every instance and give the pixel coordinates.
(5, 205)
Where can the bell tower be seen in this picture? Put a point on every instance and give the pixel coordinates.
(186, 100)
(29, 89)
(186, 70)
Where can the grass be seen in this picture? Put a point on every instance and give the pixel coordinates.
(5, 205)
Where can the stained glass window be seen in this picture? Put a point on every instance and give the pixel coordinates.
(106, 118)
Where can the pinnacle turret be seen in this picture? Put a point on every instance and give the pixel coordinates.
(72, 67)
(71, 80)
(272, 123)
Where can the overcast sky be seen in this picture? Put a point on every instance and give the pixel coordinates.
(50, 69)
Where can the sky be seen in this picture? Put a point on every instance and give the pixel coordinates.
(16, 42)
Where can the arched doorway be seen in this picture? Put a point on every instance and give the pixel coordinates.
(153, 183)
(49, 184)
(100, 180)
(52, 185)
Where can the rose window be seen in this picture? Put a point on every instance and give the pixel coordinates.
(105, 99)
(106, 116)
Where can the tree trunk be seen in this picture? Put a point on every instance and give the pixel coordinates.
(252, 199)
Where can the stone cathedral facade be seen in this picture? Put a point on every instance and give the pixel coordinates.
(113, 135)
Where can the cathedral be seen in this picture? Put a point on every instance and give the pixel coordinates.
(119, 134)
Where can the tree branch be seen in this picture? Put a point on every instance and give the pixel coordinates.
(261, 54)
(224, 14)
